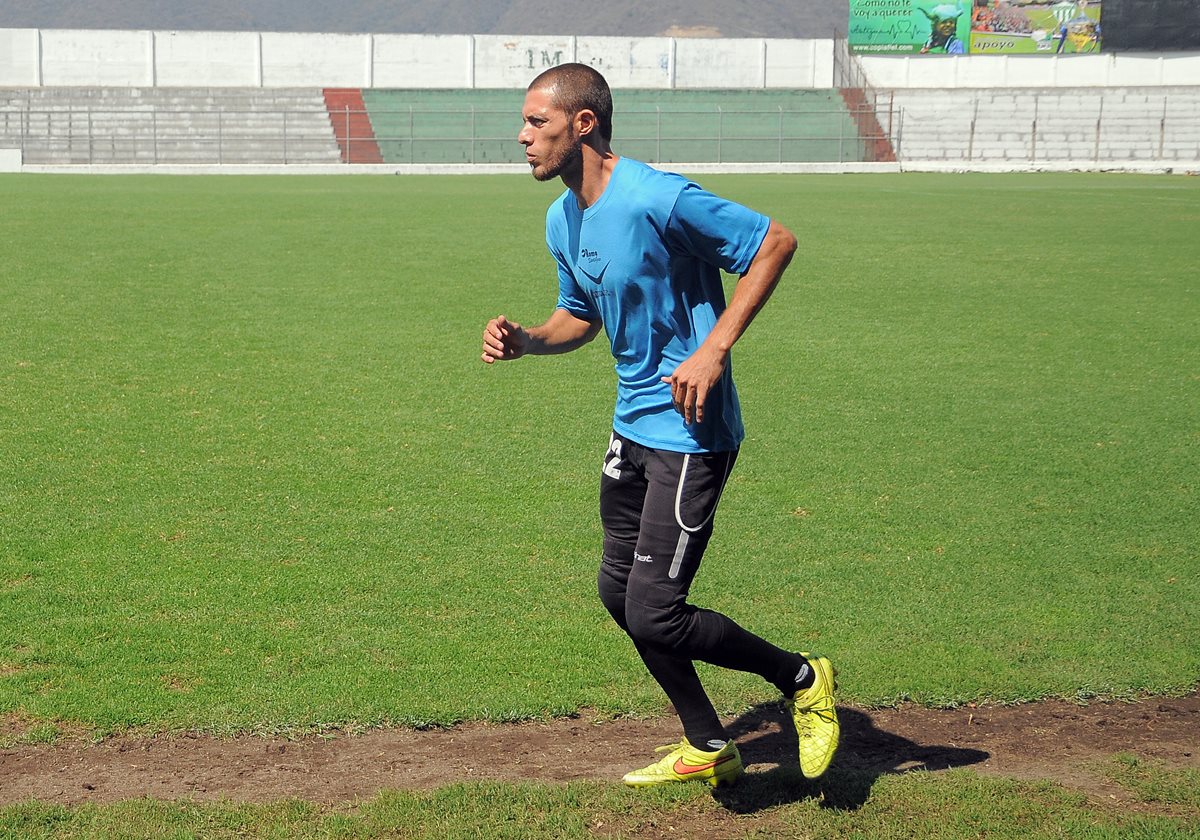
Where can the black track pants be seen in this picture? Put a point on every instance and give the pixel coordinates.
(657, 508)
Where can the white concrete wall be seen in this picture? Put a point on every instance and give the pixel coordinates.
(207, 59)
(94, 57)
(32, 57)
(434, 61)
(629, 62)
(1160, 69)
(502, 61)
(60, 57)
(721, 63)
(20, 58)
(1001, 71)
(299, 59)
(799, 63)
(10, 160)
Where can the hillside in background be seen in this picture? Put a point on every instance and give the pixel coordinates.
(705, 18)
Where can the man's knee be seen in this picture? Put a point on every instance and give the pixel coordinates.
(664, 626)
(612, 581)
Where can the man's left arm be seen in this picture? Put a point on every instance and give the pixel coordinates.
(692, 380)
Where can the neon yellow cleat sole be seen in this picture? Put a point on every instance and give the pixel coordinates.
(685, 763)
(816, 720)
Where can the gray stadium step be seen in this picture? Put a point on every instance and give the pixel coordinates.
(1133, 123)
(116, 125)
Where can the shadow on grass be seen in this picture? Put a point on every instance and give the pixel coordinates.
(766, 736)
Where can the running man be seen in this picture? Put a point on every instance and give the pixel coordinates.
(639, 254)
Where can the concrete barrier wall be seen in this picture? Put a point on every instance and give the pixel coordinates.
(116, 59)
(295, 59)
(20, 58)
(439, 61)
(62, 57)
(502, 62)
(208, 59)
(629, 62)
(1003, 71)
(799, 64)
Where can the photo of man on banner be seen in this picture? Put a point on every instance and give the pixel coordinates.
(944, 23)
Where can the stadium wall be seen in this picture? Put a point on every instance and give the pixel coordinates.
(1021, 71)
(90, 58)
(128, 58)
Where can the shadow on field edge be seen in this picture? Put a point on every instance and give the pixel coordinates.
(766, 738)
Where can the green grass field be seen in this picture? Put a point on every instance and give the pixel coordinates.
(256, 478)
(956, 805)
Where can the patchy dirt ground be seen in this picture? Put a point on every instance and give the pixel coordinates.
(1058, 741)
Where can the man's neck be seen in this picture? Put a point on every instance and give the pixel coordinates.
(589, 181)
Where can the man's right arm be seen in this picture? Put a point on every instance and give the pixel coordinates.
(504, 340)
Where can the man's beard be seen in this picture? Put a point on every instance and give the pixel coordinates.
(569, 157)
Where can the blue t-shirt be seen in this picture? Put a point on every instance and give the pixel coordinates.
(645, 260)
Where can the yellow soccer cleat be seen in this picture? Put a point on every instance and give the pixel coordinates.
(685, 763)
(816, 718)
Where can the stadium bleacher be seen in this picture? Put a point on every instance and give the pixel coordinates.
(1048, 125)
(466, 126)
(136, 125)
(660, 126)
(796, 113)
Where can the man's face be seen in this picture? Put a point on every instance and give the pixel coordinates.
(551, 144)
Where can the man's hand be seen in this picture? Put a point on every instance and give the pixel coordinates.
(692, 380)
(503, 340)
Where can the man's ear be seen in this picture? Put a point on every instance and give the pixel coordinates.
(585, 122)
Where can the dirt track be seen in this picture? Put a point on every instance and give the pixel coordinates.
(1058, 741)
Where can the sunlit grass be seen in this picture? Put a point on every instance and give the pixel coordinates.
(939, 807)
(256, 478)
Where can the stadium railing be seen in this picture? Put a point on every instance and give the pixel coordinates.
(415, 135)
(957, 127)
(712, 135)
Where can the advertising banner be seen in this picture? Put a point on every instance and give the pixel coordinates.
(1069, 26)
(962, 27)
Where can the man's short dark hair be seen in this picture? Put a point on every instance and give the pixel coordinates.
(577, 87)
